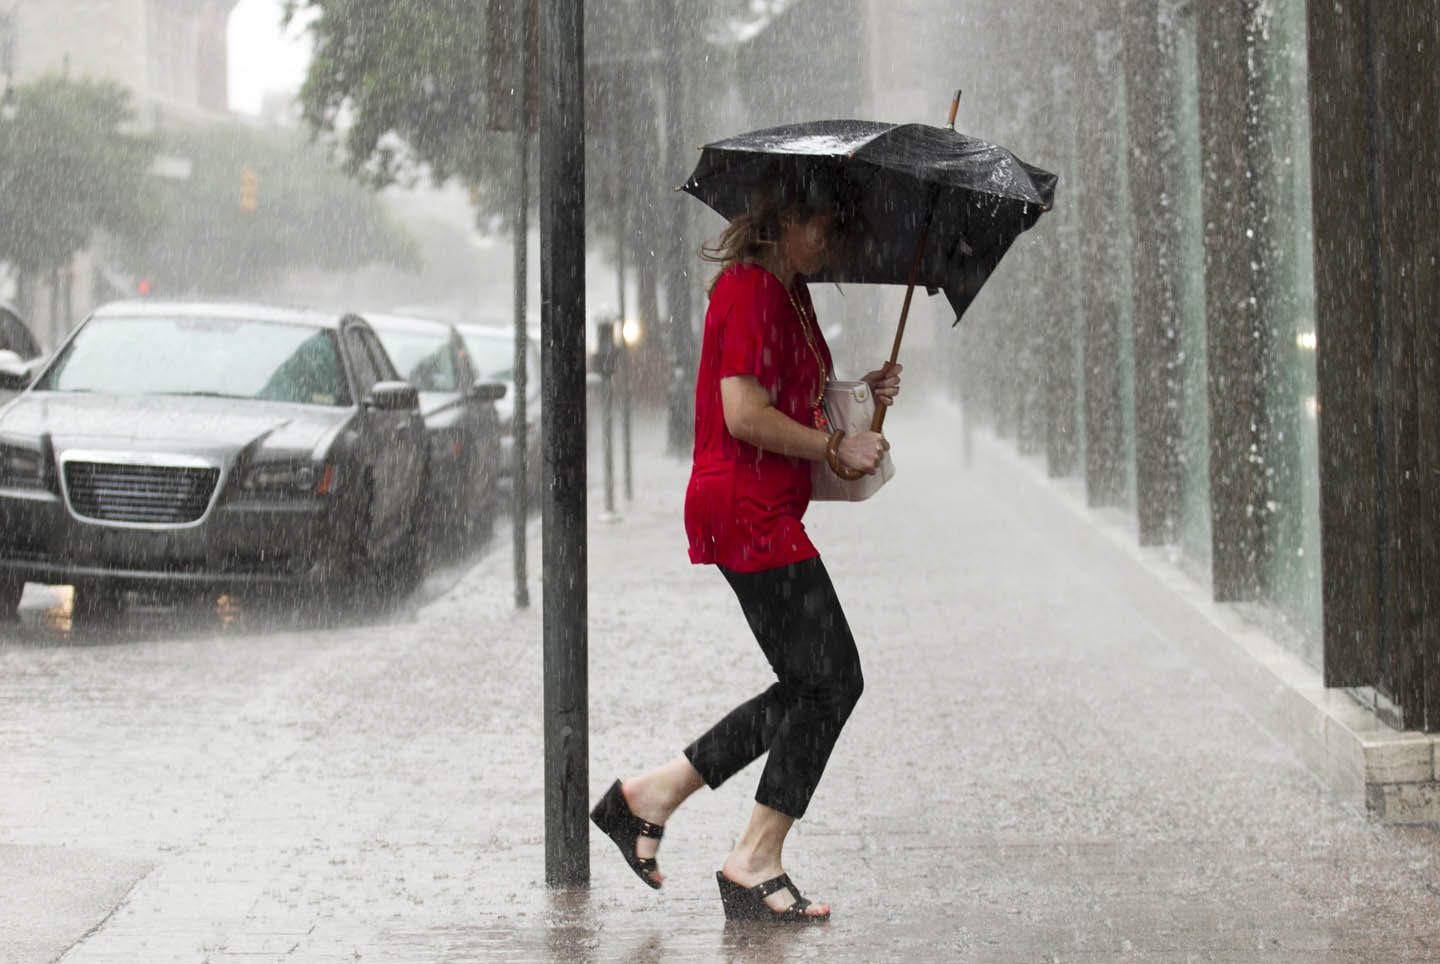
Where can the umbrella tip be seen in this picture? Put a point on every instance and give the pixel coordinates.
(955, 107)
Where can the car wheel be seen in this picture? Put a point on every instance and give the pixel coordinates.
(407, 562)
(398, 572)
(402, 570)
(482, 504)
(10, 591)
(344, 585)
(98, 604)
(482, 519)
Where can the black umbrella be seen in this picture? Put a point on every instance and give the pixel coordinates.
(924, 205)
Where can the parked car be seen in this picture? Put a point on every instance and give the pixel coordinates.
(207, 445)
(461, 422)
(492, 352)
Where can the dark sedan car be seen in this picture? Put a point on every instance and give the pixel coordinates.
(460, 420)
(203, 445)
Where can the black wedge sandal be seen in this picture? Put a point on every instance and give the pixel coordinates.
(612, 815)
(748, 903)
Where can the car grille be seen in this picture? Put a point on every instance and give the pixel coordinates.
(155, 494)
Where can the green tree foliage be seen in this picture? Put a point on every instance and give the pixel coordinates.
(406, 87)
(404, 84)
(67, 168)
(306, 215)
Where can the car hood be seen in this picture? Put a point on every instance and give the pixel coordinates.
(169, 423)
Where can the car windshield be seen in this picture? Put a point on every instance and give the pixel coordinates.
(226, 357)
(493, 355)
(423, 359)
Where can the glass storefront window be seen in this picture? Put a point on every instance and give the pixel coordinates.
(1194, 528)
(1293, 469)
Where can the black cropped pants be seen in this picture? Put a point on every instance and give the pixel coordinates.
(797, 619)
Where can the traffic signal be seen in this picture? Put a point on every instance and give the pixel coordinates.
(249, 189)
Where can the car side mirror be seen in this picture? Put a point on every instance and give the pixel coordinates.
(488, 391)
(392, 397)
(15, 374)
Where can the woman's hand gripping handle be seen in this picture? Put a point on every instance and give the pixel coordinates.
(853, 456)
(858, 455)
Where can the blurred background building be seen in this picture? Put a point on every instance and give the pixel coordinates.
(171, 55)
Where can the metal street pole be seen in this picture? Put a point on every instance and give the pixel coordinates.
(519, 421)
(624, 364)
(605, 359)
(562, 319)
(680, 392)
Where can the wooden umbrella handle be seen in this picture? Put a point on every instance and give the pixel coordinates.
(878, 421)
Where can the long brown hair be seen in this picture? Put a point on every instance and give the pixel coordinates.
(771, 201)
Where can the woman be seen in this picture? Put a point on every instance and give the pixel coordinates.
(758, 431)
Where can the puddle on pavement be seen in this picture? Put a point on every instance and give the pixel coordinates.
(49, 615)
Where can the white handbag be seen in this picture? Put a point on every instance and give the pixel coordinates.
(850, 408)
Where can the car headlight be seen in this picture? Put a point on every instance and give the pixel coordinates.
(21, 467)
(288, 478)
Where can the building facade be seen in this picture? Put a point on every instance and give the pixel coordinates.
(1224, 330)
(171, 54)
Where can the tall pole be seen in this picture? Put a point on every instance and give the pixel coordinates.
(605, 352)
(680, 391)
(624, 348)
(519, 421)
(626, 142)
(562, 319)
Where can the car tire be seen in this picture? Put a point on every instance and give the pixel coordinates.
(344, 586)
(97, 604)
(483, 505)
(482, 521)
(405, 568)
(11, 590)
(399, 571)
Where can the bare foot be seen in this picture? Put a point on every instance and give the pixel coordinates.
(747, 874)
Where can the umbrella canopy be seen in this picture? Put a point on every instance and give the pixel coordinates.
(893, 181)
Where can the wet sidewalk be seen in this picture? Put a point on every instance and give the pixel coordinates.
(1041, 768)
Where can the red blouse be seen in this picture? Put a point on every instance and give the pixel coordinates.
(743, 504)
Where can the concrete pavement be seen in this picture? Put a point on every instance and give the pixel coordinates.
(1042, 767)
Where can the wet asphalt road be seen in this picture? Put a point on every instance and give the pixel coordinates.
(1038, 771)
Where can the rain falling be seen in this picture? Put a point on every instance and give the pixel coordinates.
(743, 480)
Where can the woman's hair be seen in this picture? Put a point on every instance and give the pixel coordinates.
(758, 227)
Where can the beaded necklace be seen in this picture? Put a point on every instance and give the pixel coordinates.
(817, 410)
